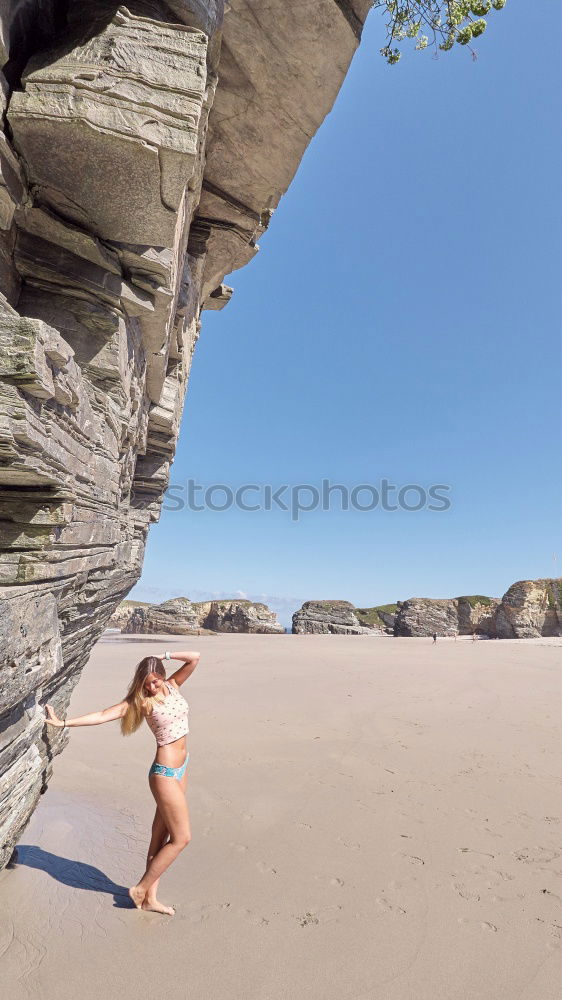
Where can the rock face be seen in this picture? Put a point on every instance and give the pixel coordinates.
(477, 615)
(382, 617)
(530, 609)
(182, 617)
(145, 148)
(177, 616)
(123, 612)
(241, 616)
(337, 617)
(421, 616)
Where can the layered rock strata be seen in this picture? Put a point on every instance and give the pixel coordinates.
(123, 612)
(335, 617)
(530, 609)
(181, 616)
(421, 616)
(382, 617)
(145, 147)
(241, 616)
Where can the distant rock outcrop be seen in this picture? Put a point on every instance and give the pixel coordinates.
(336, 617)
(180, 616)
(177, 616)
(382, 617)
(242, 616)
(530, 609)
(421, 616)
(123, 612)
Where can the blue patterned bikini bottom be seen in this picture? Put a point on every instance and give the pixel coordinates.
(169, 772)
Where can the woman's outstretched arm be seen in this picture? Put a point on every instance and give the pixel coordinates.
(182, 673)
(93, 719)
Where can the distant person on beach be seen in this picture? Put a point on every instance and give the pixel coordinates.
(435, 636)
(157, 699)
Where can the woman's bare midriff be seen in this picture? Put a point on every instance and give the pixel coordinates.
(172, 754)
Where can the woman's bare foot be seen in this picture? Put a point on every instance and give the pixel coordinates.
(157, 906)
(137, 895)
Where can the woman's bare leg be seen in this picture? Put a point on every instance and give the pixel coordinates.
(170, 798)
(159, 830)
(159, 837)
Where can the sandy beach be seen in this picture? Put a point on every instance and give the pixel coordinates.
(372, 819)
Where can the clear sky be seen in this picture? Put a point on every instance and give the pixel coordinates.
(401, 321)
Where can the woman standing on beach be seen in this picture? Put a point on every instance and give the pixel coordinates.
(153, 697)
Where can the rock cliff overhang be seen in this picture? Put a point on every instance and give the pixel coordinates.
(144, 149)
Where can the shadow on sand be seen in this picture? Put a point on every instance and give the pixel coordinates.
(73, 873)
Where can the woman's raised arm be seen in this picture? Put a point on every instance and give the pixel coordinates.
(93, 719)
(182, 673)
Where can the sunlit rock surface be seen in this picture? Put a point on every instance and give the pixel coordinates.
(529, 609)
(145, 148)
(180, 616)
(331, 616)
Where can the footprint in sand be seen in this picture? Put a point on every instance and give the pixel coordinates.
(264, 867)
(320, 916)
(535, 855)
(254, 918)
(413, 859)
(238, 847)
(208, 910)
(554, 930)
(353, 846)
(385, 904)
(553, 895)
(486, 925)
(465, 893)
(505, 876)
(330, 879)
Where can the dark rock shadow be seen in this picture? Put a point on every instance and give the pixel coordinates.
(75, 874)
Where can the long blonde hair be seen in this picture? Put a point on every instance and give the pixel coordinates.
(140, 704)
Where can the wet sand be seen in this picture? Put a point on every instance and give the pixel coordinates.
(372, 819)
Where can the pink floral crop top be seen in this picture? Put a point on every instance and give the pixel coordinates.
(169, 719)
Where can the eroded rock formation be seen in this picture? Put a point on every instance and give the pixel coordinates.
(240, 616)
(181, 616)
(456, 616)
(336, 617)
(123, 612)
(382, 617)
(528, 610)
(145, 147)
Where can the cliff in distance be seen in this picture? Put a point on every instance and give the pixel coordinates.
(180, 616)
(529, 609)
(143, 149)
(334, 617)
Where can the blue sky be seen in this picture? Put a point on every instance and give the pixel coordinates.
(401, 321)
